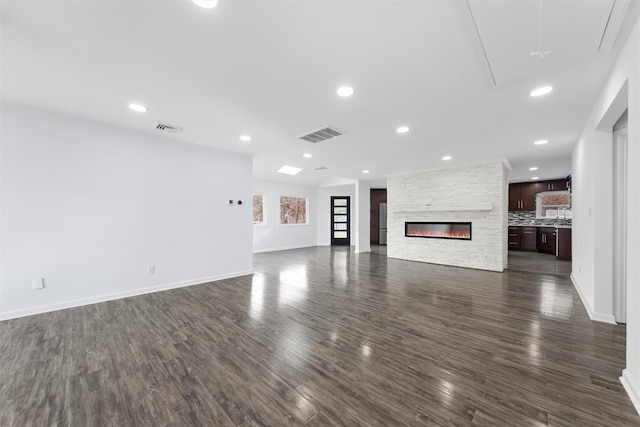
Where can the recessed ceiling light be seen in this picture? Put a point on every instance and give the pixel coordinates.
(535, 177)
(402, 129)
(245, 138)
(289, 170)
(307, 155)
(345, 91)
(541, 91)
(365, 171)
(207, 4)
(533, 168)
(446, 158)
(541, 142)
(139, 108)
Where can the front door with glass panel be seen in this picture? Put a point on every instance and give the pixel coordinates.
(340, 225)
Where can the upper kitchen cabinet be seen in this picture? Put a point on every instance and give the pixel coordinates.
(522, 196)
(554, 185)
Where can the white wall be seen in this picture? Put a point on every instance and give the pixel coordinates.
(273, 236)
(89, 206)
(362, 209)
(592, 226)
(324, 212)
(476, 194)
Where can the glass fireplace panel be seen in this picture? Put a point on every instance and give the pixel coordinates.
(438, 230)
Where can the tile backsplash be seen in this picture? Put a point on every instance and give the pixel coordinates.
(529, 218)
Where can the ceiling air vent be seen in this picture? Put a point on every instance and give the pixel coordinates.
(321, 135)
(168, 128)
(320, 168)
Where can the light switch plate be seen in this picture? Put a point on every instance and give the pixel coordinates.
(37, 283)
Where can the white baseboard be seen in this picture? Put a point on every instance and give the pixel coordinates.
(363, 251)
(603, 317)
(282, 248)
(593, 315)
(586, 304)
(631, 388)
(118, 295)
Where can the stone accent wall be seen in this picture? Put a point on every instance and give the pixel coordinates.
(478, 194)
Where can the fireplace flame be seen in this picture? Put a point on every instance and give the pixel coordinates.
(437, 233)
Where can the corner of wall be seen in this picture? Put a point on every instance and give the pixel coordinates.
(593, 315)
(276, 237)
(632, 389)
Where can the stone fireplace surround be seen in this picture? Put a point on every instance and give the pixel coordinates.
(477, 194)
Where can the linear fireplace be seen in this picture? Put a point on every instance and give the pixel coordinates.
(438, 230)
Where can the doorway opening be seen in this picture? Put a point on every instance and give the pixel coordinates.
(378, 217)
(620, 144)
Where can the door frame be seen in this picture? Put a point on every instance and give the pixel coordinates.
(340, 241)
(620, 167)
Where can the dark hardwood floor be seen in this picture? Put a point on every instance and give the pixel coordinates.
(322, 337)
(536, 262)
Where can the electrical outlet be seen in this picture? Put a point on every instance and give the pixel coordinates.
(37, 283)
(151, 269)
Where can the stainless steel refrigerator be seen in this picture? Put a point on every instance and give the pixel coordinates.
(382, 233)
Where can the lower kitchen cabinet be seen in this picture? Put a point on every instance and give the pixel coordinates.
(514, 237)
(546, 240)
(528, 238)
(564, 244)
(522, 238)
(550, 240)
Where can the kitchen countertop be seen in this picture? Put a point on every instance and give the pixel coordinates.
(539, 225)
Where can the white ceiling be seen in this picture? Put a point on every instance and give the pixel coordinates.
(271, 69)
(570, 30)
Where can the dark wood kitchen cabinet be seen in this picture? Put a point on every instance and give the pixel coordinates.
(553, 185)
(564, 244)
(522, 238)
(546, 240)
(522, 196)
(514, 234)
(514, 197)
(528, 238)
